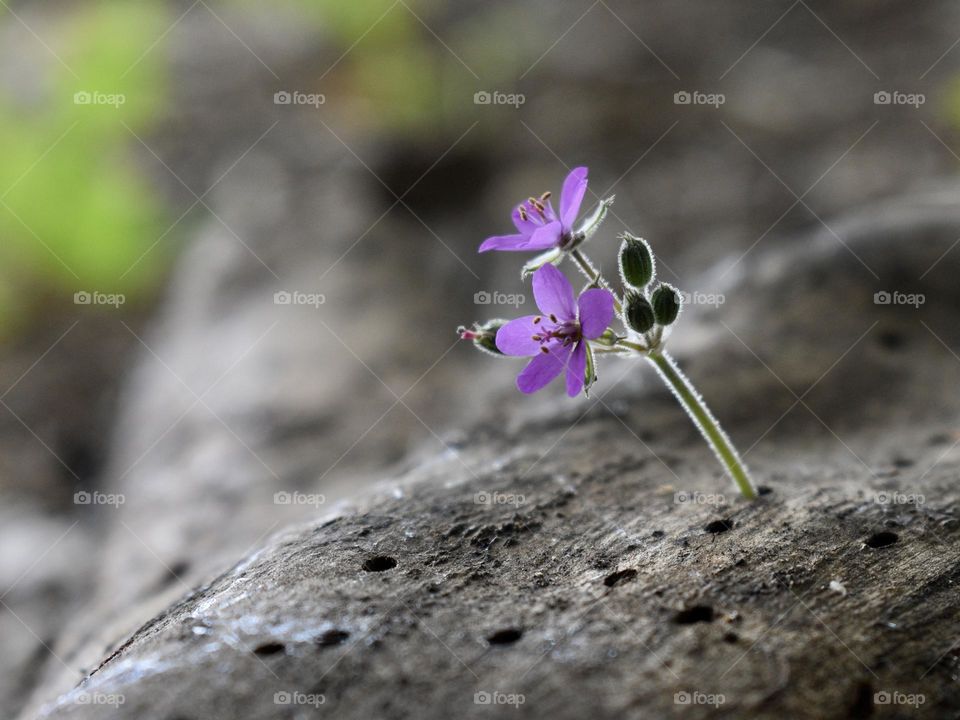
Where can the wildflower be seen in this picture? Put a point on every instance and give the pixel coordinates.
(557, 339)
(538, 226)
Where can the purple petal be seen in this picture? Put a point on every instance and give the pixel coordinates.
(543, 368)
(524, 227)
(576, 368)
(553, 293)
(596, 312)
(516, 337)
(545, 236)
(504, 242)
(571, 195)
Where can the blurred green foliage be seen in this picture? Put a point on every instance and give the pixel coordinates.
(75, 212)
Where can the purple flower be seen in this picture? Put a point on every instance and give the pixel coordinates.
(556, 339)
(538, 226)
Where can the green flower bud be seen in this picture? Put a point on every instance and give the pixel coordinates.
(638, 312)
(636, 261)
(483, 335)
(666, 304)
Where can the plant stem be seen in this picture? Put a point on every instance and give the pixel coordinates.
(704, 420)
(593, 275)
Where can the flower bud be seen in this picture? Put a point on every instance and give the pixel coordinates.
(638, 312)
(636, 261)
(666, 304)
(483, 335)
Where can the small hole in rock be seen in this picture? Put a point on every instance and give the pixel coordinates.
(657, 534)
(902, 462)
(695, 614)
(332, 637)
(719, 526)
(505, 636)
(892, 340)
(270, 648)
(619, 577)
(764, 490)
(730, 637)
(881, 539)
(379, 563)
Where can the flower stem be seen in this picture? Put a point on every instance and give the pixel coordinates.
(593, 274)
(704, 420)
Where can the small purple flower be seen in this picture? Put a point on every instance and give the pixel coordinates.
(558, 338)
(538, 226)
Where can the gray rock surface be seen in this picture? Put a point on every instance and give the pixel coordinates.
(584, 587)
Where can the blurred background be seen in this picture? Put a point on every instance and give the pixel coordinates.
(236, 239)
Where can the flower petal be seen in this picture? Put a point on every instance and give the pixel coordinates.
(596, 312)
(543, 368)
(545, 236)
(504, 242)
(571, 196)
(554, 293)
(524, 227)
(516, 337)
(576, 368)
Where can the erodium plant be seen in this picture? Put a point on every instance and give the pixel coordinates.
(573, 329)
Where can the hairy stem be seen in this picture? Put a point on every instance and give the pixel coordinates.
(704, 420)
(593, 275)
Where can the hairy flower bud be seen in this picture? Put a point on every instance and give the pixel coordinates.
(636, 261)
(483, 335)
(666, 304)
(638, 312)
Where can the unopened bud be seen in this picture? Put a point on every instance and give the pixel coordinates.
(638, 312)
(483, 335)
(666, 304)
(636, 261)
